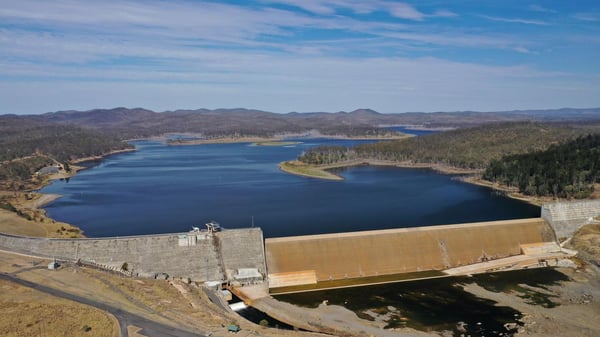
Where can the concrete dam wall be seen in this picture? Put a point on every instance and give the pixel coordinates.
(306, 259)
(567, 217)
(200, 256)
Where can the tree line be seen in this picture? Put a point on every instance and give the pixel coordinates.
(567, 170)
(468, 148)
(62, 142)
(539, 159)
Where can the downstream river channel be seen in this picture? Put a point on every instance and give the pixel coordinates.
(161, 189)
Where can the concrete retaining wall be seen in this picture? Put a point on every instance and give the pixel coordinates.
(385, 252)
(242, 249)
(184, 255)
(567, 217)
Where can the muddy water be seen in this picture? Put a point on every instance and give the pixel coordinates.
(441, 304)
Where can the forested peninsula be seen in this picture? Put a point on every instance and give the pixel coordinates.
(538, 159)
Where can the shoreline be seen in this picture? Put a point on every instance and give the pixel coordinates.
(226, 140)
(100, 157)
(320, 172)
(300, 169)
(276, 143)
(510, 192)
(419, 127)
(30, 219)
(279, 138)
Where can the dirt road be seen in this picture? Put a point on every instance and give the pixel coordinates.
(148, 328)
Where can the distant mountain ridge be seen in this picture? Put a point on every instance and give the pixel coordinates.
(140, 122)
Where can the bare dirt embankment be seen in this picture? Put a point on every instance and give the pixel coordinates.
(23, 213)
(26, 216)
(29, 219)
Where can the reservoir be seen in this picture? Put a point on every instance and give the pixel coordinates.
(161, 188)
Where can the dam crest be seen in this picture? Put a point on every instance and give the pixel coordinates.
(242, 257)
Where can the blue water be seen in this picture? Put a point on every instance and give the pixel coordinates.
(413, 131)
(160, 189)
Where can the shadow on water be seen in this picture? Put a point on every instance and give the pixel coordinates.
(441, 304)
(530, 285)
(258, 317)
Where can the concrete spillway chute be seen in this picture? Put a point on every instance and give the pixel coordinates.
(238, 306)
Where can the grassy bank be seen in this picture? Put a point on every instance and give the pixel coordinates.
(300, 169)
(25, 217)
(321, 171)
(276, 143)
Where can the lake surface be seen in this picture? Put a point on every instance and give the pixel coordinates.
(161, 189)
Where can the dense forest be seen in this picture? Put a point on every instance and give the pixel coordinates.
(22, 137)
(28, 144)
(566, 170)
(468, 148)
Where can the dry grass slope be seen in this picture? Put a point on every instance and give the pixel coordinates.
(587, 242)
(27, 312)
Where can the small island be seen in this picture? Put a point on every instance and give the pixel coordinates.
(276, 143)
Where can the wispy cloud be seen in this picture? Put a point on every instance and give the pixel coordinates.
(397, 9)
(405, 11)
(589, 17)
(522, 50)
(516, 20)
(179, 30)
(541, 9)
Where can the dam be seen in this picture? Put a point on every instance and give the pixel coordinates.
(293, 261)
(242, 257)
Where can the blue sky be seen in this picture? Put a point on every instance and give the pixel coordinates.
(299, 55)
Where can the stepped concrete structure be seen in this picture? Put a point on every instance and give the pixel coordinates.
(197, 255)
(567, 217)
(302, 260)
